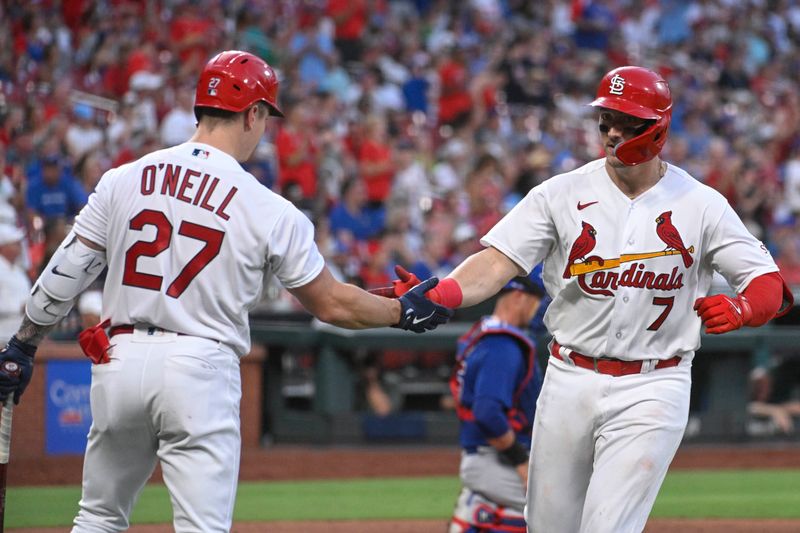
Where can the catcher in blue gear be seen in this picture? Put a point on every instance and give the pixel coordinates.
(495, 383)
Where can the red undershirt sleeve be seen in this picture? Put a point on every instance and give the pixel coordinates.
(769, 296)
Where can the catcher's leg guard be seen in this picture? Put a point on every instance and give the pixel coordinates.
(476, 514)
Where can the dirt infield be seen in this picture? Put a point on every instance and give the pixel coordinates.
(309, 462)
(292, 463)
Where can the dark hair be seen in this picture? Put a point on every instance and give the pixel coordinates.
(212, 112)
(223, 115)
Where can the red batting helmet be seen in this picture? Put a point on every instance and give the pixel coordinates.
(644, 94)
(235, 80)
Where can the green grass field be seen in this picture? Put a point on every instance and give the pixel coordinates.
(685, 494)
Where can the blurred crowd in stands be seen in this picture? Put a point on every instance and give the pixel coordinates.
(412, 125)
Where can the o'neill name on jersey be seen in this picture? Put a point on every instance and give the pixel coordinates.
(172, 180)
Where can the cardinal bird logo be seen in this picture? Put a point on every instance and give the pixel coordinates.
(582, 246)
(667, 233)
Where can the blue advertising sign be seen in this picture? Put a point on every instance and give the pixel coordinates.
(68, 415)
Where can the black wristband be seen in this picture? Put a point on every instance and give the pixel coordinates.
(24, 347)
(516, 454)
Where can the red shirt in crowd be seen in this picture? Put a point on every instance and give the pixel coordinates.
(790, 270)
(454, 98)
(350, 17)
(378, 184)
(192, 35)
(294, 165)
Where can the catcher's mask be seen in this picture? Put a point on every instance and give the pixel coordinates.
(235, 80)
(641, 93)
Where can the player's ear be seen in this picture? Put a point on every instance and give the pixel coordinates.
(250, 116)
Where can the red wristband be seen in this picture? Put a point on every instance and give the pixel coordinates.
(447, 293)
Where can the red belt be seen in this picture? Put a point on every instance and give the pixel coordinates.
(122, 329)
(610, 366)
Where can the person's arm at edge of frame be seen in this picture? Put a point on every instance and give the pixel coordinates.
(346, 305)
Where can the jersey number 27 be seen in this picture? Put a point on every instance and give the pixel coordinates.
(210, 236)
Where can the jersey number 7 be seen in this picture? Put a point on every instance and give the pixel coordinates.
(210, 236)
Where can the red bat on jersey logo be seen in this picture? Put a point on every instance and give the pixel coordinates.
(582, 246)
(671, 237)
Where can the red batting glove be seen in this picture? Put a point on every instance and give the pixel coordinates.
(406, 282)
(721, 313)
(447, 292)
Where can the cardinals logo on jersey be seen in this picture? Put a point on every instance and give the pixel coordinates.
(602, 276)
(672, 238)
(584, 244)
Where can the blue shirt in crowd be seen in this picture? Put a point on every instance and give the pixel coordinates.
(364, 225)
(63, 199)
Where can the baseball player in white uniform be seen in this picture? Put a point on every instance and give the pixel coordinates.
(629, 245)
(187, 236)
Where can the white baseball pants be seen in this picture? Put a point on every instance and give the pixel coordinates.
(166, 398)
(602, 446)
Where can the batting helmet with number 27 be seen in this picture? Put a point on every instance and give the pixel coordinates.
(644, 94)
(235, 80)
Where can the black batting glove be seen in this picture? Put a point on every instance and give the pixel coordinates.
(417, 313)
(16, 368)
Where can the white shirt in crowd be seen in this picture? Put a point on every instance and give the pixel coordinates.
(14, 290)
(178, 126)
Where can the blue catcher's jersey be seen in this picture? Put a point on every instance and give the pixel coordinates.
(496, 368)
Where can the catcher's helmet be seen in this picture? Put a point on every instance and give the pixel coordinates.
(532, 283)
(235, 80)
(644, 94)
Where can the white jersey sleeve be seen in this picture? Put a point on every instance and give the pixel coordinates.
(293, 256)
(735, 253)
(527, 233)
(93, 220)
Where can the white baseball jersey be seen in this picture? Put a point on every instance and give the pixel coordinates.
(189, 235)
(624, 274)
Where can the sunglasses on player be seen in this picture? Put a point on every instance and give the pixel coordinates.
(629, 125)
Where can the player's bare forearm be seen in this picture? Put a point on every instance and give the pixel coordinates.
(482, 274)
(503, 441)
(345, 305)
(31, 333)
(354, 308)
